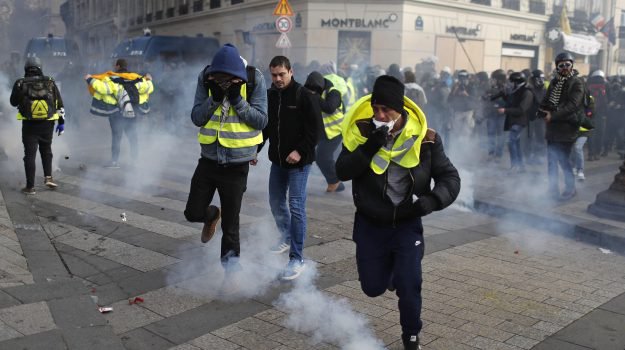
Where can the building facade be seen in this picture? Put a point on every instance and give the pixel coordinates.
(462, 34)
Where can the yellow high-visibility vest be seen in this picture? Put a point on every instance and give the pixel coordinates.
(406, 148)
(229, 130)
(332, 123)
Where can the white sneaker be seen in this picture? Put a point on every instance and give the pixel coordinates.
(50, 182)
(580, 176)
(293, 270)
(280, 248)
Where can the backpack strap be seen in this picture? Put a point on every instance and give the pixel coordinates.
(251, 80)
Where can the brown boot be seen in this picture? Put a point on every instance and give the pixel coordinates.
(210, 224)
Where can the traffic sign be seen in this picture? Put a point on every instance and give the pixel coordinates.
(283, 9)
(284, 24)
(283, 42)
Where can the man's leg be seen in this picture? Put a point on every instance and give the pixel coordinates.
(231, 184)
(45, 147)
(373, 256)
(326, 158)
(31, 143)
(117, 129)
(297, 205)
(565, 163)
(278, 185)
(201, 192)
(552, 168)
(408, 249)
(130, 127)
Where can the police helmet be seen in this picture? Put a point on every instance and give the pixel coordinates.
(32, 62)
(517, 77)
(564, 56)
(499, 75)
(538, 74)
(463, 74)
(598, 73)
(482, 76)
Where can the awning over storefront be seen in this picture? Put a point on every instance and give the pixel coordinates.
(581, 44)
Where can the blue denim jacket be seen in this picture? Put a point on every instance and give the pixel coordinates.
(253, 112)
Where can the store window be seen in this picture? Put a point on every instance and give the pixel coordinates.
(234, 2)
(537, 6)
(481, 2)
(582, 9)
(214, 4)
(511, 4)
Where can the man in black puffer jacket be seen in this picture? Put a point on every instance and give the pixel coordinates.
(391, 157)
(562, 106)
(292, 134)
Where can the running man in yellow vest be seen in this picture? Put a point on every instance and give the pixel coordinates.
(392, 157)
(331, 105)
(231, 116)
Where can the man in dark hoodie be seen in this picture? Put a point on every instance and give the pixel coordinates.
(329, 100)
(39, 105)
(292, 134)
(561, 109)
(518, 102)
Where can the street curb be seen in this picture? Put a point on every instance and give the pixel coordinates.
(592, 232)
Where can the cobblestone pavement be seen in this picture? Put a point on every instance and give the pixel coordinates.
(489, 283)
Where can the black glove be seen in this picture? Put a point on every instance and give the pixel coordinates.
(234, 93)
(215, 91)
(376, 140)
(424, 205)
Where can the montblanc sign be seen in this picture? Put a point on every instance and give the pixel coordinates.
(464, 30)
(358, 22)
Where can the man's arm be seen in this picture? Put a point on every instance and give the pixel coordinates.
(59, 99)
(254, 111)
(331, 102)
(523, 107)
(445, 175)
(350, 165)
(16, 93)
(203, 105)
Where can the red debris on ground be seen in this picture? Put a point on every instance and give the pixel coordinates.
(135, 300)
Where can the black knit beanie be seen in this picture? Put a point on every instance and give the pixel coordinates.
(388, 91)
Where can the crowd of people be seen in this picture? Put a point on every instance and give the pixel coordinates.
(383, 129)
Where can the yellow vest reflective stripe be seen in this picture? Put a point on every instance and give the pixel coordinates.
(332, 123)
(54, 117)
(407, 147)
(229, 131)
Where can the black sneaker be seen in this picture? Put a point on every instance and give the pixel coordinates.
(28, 190)
(411, 342)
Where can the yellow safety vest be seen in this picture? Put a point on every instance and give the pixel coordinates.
(351, 90)
(338, 82)
(230, 131)
(332, 123)
(407, 147)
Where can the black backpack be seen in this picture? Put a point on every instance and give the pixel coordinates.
(131, 89)
(39, 97)
(249, 86)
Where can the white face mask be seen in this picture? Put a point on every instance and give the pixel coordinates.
(379, 124)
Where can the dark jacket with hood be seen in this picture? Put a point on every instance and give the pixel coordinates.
(564, 124)
(370, 190)
(292, 126)
(17, 95)
(517, 107)
(329, 104)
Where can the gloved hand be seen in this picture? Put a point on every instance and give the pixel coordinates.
(61, 112)
(424, 205)
(234, 93)
(216, 91)
(60, 129)
(376, 140)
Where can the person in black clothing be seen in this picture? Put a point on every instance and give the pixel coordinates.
(329, 126)
(292, 133)
(39, 105)
(536, 147)
(392, 193)
(598, 88)
(561, 107)
(518, 102)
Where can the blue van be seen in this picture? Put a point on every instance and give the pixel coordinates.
(149, 53)
(55, 53)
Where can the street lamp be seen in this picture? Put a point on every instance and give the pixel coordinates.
(610, 203)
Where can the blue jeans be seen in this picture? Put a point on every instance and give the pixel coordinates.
(392, 254)
(578, 153)
(494, 130)
(559, 153)
(514, 145)
(291, 219)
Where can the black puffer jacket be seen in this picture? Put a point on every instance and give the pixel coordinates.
(292, 124)
(564, 124)
(518, 105)
(369, 189)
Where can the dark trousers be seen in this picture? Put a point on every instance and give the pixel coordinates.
(37, 134)
(559, 153)
(326, 158)
(384, 253)
(230, 182)
(119, 126)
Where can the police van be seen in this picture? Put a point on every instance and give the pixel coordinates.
(55, 53)
(150, 53)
